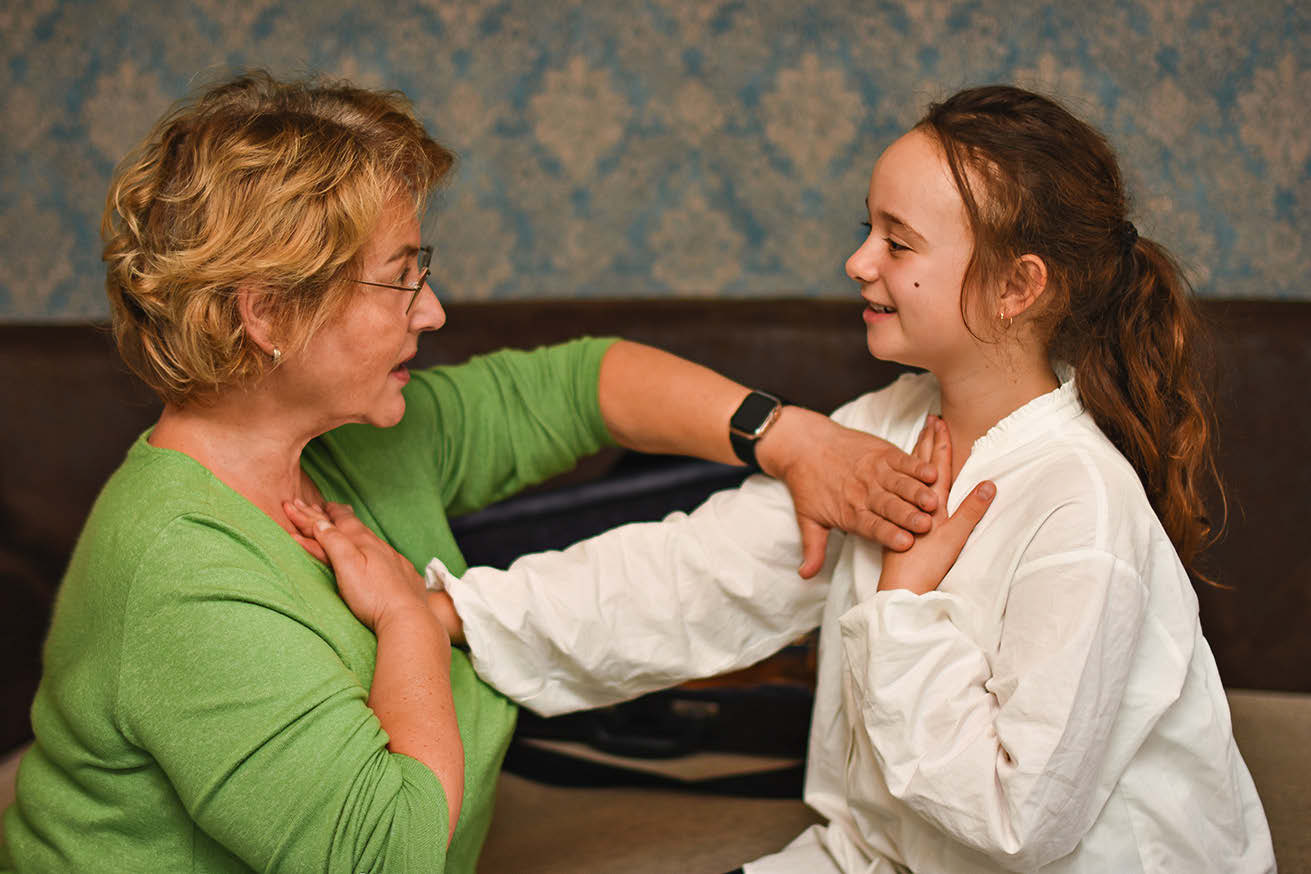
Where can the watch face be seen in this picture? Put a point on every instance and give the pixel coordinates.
(753, 414)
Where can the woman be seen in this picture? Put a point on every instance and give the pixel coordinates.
(1023, 690)
(211, 701)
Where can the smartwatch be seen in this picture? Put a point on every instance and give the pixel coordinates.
(750, 422)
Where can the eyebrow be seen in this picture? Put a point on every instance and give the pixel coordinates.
(891, 219)
(403, 251)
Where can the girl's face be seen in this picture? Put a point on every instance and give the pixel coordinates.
(912, 265)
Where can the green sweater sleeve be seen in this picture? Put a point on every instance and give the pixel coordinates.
(237, 682)
(516, 418)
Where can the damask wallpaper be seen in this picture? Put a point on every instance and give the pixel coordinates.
(676, 147)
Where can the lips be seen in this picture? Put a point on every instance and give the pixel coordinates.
(874, 313)
(400, 371)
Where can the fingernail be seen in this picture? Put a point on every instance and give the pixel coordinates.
(987, 490)
(323, 524)
(299, 503)
(904, 540)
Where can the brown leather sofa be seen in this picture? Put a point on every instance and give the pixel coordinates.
(70, 410)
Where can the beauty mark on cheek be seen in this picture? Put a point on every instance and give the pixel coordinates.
(917, 285)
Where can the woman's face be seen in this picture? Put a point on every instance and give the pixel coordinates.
(912, 265)
(353, 368)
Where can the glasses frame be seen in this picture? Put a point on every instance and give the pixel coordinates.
(425, 270)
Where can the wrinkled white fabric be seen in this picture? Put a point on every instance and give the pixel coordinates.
(1051, 706)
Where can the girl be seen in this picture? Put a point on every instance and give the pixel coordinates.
(1026, 689)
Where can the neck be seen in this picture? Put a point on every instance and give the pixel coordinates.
(248, 441)
(977, 397)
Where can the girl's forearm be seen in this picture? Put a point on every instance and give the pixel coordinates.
(411, 695)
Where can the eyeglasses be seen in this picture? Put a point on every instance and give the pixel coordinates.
(425, 259)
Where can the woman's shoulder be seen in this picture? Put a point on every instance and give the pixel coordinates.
(163, 517)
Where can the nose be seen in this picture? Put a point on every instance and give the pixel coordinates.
(427, 313)
(862, 265)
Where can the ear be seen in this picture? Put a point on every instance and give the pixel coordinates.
(1026, 283)
(252, 303)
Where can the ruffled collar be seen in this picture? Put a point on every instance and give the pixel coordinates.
(1030, 421)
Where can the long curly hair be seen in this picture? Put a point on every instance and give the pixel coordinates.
(1036, 179)
(260, 184)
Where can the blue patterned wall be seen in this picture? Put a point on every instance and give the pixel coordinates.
(706, 147)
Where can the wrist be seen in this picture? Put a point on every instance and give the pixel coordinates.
(443, 607)
(754, 417)
(784, 443)
(412, 618)
(891, 579)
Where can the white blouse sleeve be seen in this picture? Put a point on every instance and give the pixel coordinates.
(1008, 751)
(644, 606)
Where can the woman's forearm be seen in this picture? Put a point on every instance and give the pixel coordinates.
(411, 695)
(653, 401)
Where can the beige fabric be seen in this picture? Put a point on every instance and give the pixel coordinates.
(552, 830)
(1273, 730)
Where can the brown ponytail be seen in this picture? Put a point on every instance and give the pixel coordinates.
(1141, 377)
(1035, 179)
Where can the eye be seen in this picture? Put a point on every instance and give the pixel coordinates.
(894, 246)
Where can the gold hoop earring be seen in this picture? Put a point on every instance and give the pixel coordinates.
(1006, 321)
(277, 356)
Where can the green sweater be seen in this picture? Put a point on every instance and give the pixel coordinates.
(203, 703)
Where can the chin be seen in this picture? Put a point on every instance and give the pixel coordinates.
(387, 415)
(886, 352)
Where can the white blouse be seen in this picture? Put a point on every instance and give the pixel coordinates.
(1051, 706)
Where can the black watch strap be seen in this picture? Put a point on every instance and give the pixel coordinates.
(750, 422)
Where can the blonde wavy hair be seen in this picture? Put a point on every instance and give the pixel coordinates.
(259, 184)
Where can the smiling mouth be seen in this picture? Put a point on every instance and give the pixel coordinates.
(880, 308)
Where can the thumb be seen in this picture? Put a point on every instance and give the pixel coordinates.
(961, 524)
(814, 543)
(343, 555)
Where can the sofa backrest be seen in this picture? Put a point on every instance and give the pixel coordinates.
(71, 409)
